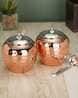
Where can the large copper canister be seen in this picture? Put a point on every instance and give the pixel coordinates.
(19, 53)
(52, 47)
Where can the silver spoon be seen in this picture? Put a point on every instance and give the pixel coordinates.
(72, 60)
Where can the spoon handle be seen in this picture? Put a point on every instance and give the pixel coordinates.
(60, 71)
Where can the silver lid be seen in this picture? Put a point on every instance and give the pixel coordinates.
(52, 36)
(19, 41)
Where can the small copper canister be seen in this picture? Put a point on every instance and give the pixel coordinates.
(19, 53)
(52, 47)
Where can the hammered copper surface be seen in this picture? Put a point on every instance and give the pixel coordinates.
(53, 48)
(19, 64)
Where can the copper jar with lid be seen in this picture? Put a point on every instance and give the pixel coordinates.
(52, 47)
(19, 53)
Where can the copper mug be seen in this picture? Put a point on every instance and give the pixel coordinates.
(19, 53)
(52, 47)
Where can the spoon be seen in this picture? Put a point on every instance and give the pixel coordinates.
(72, 60)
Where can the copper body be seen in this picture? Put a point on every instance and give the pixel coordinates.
(19, 60)
(52, 53)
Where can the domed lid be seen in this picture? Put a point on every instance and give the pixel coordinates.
(19, 41)
(52, 36)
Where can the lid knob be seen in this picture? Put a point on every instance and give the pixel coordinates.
(19, 36)
(51, 30)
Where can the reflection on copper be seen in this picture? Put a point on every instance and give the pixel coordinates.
(19, 63)
(54, 54)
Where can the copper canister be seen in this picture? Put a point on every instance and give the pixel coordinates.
(52, 47)
(19, 53)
